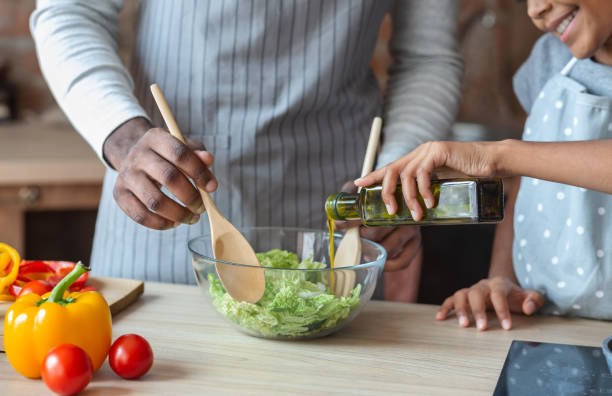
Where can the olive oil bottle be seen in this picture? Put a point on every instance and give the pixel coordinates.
(457, 201)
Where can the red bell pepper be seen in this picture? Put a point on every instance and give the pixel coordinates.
(50, 271)
(47, 270)
(15, 273)
(14, 289)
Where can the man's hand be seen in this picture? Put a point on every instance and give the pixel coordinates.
(401, 242)
(150, 158)
(499, 293)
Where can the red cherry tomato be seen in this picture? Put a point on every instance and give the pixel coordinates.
(39, 287)
(130, 356)
(67, 369)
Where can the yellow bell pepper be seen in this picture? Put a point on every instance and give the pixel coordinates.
(34, 324)
(8, 256)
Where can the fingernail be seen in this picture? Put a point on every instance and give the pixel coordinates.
(463, 321)
(413, 214)
(428, 203)
(357, 180)
(201, 209)
(211, 185)
(192, 219)
(506, 324)
(439, 315)
(388, 208)
(480, 323)
(531, 307)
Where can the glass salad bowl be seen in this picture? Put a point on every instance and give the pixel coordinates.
(304, 298)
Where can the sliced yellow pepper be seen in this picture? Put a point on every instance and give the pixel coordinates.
(13, 257)
(33, 325)
(5, 260)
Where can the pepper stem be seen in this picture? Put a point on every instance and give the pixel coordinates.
(57, 294)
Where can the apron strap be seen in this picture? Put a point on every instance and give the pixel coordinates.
(569, 66)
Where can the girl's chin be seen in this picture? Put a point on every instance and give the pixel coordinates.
(581, 54)
(582, 50)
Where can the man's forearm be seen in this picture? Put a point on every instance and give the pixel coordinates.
(77, 51)
(118, 144)
(424, 87)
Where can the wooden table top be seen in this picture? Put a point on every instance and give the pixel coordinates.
(46, 153)
(389, 348)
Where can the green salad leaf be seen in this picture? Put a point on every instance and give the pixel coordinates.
(294, 304)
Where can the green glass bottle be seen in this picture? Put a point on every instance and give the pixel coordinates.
(457, 201)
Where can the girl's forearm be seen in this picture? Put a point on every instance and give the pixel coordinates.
(501, 257)
(585, 163)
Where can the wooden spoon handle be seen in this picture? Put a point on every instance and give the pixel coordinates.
(368, 160)
(173, 127)
(349, 250)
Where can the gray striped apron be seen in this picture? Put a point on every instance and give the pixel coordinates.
(280, 92)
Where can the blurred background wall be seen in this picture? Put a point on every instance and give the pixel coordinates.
(17, 52)
(495, 36)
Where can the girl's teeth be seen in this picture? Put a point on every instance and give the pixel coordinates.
(563, 25)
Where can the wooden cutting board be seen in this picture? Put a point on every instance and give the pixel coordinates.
(119, 293)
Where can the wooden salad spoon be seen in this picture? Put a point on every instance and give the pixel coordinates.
(242, 282)
(349, 250)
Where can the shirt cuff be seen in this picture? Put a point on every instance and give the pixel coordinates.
(96, 133)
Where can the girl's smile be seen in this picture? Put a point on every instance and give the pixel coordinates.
(563, 26)
(584, 26)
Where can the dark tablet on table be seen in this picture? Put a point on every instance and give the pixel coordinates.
(539, 368)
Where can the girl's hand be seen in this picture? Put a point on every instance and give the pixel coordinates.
(152, 159)
(471, 158)
(402, 243)
(499, 293)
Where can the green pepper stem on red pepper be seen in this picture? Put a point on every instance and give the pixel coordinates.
(57, 294)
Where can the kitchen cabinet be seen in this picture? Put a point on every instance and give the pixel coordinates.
(44, 166)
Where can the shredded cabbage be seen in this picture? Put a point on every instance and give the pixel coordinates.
(294, 304)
